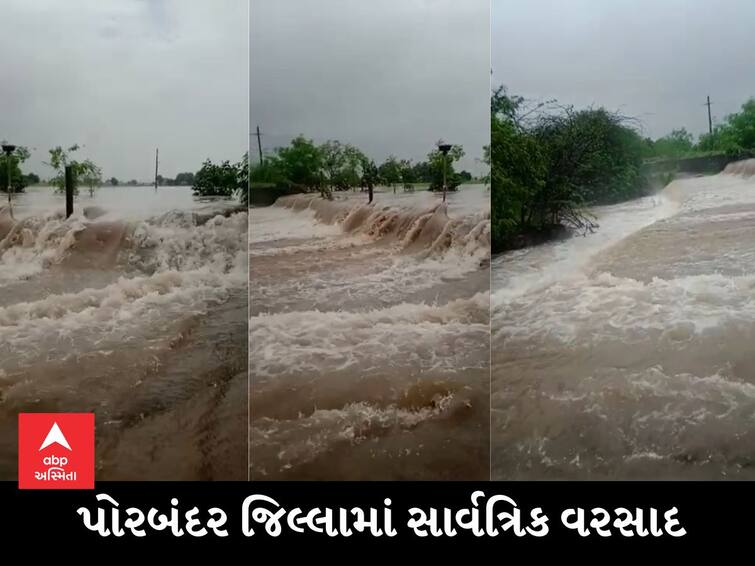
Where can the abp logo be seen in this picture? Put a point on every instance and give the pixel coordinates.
(56, 451)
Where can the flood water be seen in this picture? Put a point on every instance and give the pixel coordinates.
(369, 337)
(628, 353)
(134, 308)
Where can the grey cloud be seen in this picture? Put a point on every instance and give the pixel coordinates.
(391, 76)
(124, 76)
(656, 61)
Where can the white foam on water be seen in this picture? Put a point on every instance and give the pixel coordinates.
(354, 304)
(169, 242)
(36, 243)
(418, 336)
(303, 439)
(527, 271)
(630, 373)
(553, 292)
(94, 317)
(349, 251)
(168, 268)
(279, 223)
(606, 307)
(385, 278)
(216, 246)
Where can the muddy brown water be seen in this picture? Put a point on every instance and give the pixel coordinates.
(137, 315)
(369, 337)
(628, 354)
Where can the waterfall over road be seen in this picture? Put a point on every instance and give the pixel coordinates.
(628, 353)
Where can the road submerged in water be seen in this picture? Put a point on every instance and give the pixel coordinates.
(135, 309)
(369, 337)
(627, 354)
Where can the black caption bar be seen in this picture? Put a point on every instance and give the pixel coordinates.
(428, 515)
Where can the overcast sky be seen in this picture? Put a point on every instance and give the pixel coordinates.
(123, 77)
(655, 60)
(389, 76)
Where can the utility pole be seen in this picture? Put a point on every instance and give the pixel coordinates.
(259, 143)
(8, 149)
(444, 149)
(70, 183)
(710, 121)
(444, 177)
(157, 153)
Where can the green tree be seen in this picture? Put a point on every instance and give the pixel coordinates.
(593, 158)
(270, 171)
(675, 144)
(301, 164)
(341, 165)
(370, 175)
(333, 160)
(84, 172)
(390, 172)
(89, 175)
(517, 171)
(549, 162)
(437, 163)
(422, 172)
(18, 181)
(736, 135)
(217, 180)
(406, 172)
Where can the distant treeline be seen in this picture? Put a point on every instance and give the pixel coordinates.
(734, 136)
(224, 179)
(549, 162)
(334, 166)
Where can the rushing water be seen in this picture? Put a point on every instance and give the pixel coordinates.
(134, 308)
(628, 353)
(369, 337)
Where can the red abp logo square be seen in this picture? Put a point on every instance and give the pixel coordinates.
(56, 451)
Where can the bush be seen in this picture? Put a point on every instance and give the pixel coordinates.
(549, 162)
(226, 179)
